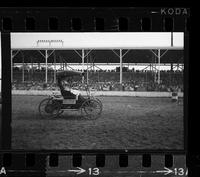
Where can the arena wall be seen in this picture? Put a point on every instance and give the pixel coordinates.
(100, 93)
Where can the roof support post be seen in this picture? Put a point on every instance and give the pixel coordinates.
(46, 71)
(83, 56)
(120, 56)
(87, 69)
(154, 67)
(46, 58)
(159, 57)
(32, 68)
(22, 67)
(54, 57)
(12, 65)
(159, 66)
(12, 56)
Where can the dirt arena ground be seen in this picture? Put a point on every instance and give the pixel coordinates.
(125, 123)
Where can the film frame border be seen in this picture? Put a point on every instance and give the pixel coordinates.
(138, 24)
(21, 28)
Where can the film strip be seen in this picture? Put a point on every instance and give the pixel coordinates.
(29, 148)
(94, 165)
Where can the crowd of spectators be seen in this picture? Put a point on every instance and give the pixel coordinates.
(101, 86)
(107, 81)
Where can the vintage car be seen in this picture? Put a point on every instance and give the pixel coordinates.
(53, 106)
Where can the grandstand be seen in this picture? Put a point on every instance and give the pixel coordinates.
(35, 67)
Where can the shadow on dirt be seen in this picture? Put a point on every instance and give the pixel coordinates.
(70, 117)
(29, 117)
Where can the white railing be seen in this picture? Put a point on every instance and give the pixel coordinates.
(100, 93)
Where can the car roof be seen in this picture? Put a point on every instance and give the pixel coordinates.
(68, 73)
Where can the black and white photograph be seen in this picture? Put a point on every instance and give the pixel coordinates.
(97, 91)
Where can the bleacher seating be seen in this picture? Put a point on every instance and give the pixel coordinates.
(103, 80)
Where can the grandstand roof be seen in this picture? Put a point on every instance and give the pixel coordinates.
(139, 45)
(97, 40)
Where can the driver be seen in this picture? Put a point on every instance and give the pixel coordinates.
(67, 92)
